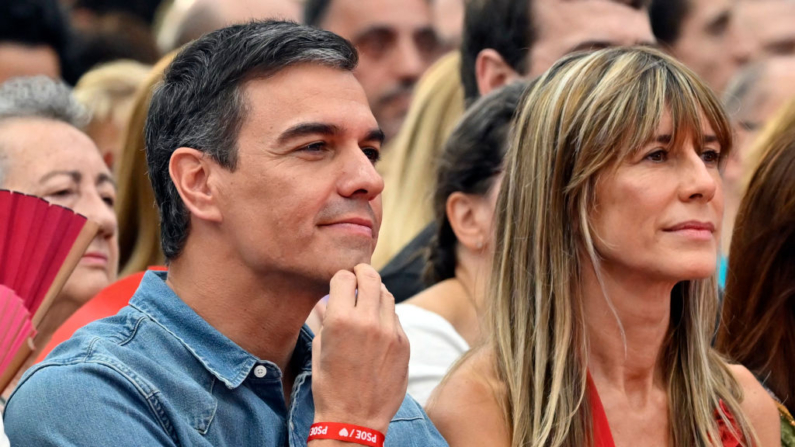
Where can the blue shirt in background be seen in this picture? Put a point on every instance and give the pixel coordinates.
(157, 374)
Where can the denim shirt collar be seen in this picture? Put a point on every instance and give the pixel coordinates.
(222, 357)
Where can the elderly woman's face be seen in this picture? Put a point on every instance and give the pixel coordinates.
(54, 160)
(659, 215)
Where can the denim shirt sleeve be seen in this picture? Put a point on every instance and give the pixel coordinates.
(82, 405)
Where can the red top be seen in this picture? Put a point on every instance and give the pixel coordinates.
(107, 303)
(604, 438)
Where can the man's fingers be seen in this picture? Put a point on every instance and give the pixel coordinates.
(368, 283)
(342, 292)
(387, 307)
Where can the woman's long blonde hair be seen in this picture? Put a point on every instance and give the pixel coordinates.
(139, 222)
(581, 119)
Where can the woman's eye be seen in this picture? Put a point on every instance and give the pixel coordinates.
(61, 194)
(710, 156)
(657, 156)
(110, 201)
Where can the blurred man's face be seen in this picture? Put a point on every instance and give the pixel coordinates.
(566, 26)
(396, 42)
(773, 91)
(305, 198)
(23, 60)
(768, 26)
(709, 44)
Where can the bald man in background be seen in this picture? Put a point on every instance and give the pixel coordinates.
(187, 21)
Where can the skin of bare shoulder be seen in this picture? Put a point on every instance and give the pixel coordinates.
(759, 407)
(465, 407)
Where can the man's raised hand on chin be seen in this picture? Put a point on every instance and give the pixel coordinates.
(360, 358)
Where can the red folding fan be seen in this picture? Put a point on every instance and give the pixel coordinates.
(40, 245)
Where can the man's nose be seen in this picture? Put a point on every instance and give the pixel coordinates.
(359, 178)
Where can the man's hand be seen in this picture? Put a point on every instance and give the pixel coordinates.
(360, 368)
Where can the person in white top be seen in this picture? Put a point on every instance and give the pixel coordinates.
(443, 321)
(3, 439)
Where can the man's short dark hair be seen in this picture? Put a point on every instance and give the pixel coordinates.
(200, 104)
(39, 22)
(503, 25)
(666, 18)
(315, 11)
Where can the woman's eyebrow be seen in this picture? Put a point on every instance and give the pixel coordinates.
(107, 178)
(74, 175)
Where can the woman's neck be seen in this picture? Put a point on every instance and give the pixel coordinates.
(626, 361)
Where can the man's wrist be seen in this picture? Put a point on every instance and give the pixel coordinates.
(353, 420)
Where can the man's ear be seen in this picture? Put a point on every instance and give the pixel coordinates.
(190, 171)
(492, 72)
(463, 215)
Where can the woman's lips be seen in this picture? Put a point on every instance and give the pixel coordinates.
(94, 258)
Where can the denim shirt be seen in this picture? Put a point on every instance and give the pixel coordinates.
(157, 374)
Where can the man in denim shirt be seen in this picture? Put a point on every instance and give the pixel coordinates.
(261, 150)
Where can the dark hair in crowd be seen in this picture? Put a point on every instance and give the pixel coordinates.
(759, 303)
(666, 18)
(314, 11)
(142, 9)
(200, 104)
(472, 157)
(503, 25)
(39, 22)
(506, 26)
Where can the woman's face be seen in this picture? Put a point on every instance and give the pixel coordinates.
(659, 215)
(54, 160)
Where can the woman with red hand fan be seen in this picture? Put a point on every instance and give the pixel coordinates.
(45, 153)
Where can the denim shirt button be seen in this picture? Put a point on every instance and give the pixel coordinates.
(260, 371)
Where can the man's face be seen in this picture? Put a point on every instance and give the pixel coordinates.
(305, 198)
(768, 26)
(709, 44)
(23, 60)
(769, 95)
(396, 42)
(566, 26)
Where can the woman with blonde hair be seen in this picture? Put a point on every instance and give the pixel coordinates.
(108, 91)
(139, 223)
(603, 293)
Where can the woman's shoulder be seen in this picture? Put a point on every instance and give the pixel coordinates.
(759, 408)
(467, 406)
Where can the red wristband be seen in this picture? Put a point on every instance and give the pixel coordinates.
(347, 433)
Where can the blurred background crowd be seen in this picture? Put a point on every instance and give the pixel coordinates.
(423, 65)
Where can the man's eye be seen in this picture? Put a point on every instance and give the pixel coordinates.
(314, 147)
(658, 156)
(373, 154)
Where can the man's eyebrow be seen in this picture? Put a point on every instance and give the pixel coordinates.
(306, 129)
(375, 135)
(371, 31)
(719, 20)
(74, 175)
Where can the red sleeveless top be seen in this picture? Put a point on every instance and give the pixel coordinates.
(604, 438)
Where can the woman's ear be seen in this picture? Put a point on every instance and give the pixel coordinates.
(467, 215)
(492, 72)
(190, 171)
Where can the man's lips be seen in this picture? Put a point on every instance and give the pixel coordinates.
(354, 224)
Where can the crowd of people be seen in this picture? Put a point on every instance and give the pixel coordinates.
(510, 223)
